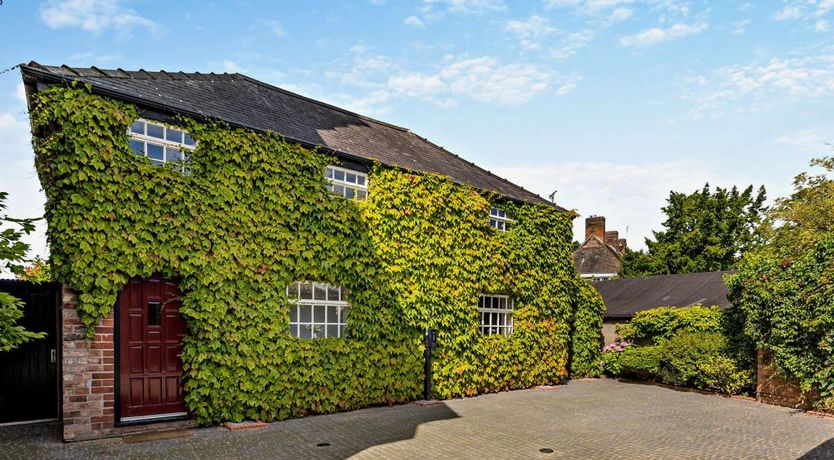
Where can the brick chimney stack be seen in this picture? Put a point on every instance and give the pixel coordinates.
(611, 237)
(622, 246)
(595, 225)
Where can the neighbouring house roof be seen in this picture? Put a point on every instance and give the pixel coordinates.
(245, 102)
(595, 257)
(625, 297)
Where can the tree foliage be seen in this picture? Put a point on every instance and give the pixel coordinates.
(253, 215)
(784, 292)
(797, 222)
(707, 230)
(12, 257)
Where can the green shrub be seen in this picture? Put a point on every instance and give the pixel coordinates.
(633, 361)
(694, 346)
(700, 359)
(657, 324)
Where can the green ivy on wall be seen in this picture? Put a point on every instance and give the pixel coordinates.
(253, 215)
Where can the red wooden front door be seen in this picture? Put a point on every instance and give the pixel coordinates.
(151, 330)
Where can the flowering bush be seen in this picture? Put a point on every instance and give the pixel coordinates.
(611, 357)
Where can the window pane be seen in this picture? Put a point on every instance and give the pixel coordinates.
(343, 315)
(338, 189)
(333, 293)
(349, 192)
(155, 130)
(138, 147)
(306, 313)
(360, 180)
(332, 330)
(319, 292)
(173, 155)
(339, 175)
(157, 162)
(305, 291)
(361, 194)
(173, 135)
(138, 127)
(342, 330)
(318, 313)
(332, 314)
(293, 314)
(155, 152)
(328, 173)
(154, 314)
(350, 177)
(306, 331)
(188, 140)
(292, 291)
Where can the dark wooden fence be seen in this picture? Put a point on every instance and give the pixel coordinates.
(29, 375)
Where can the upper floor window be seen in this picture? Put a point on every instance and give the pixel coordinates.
(496, 314)
(318, 310)
(347, 182)
(160, 143)
(498, 219)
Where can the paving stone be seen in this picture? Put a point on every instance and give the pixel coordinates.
(600, 419)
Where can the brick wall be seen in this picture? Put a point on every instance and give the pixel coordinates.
(773, 389)
(88, 399)
(88, 389)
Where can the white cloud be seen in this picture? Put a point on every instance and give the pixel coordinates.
(629, 195)
(620, 14)
(788, 12)
(415, 84)
(232, 67)
(94, 16)
(485, 79)
(571, 44)
(821, 25)
(275, 28)
(740, 27)
(761, 86)
(566, 89)
(20, 93)
(531, 31)
(657, 35)
(414, 21)
(807, 141)
(467, 6)
(18, 177)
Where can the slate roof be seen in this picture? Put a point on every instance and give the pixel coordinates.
(596, 258)
(625, 297)
(245, 102)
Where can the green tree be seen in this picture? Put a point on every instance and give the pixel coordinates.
(797, 222)
(37, 271)
(12, 257)
(704, 231)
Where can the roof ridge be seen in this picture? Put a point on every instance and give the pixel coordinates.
(315, 101)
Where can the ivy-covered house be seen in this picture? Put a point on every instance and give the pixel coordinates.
(231, 250)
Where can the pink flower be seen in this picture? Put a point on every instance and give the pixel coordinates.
(618, 348)
(624, 343)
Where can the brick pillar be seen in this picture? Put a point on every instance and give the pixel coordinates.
(88, 372)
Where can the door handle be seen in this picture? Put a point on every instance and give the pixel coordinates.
(53, 355)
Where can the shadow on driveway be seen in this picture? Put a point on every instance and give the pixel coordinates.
(345, 434)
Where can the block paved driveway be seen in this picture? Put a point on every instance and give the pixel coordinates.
(584, 419)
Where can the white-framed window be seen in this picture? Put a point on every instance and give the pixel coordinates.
(498, 219)
(496, 314)
(160, 143)
(347, 182)
(318, 310)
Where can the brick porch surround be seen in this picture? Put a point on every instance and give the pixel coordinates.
(88, 391)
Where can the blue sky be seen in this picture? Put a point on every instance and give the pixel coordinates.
(611, 102)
